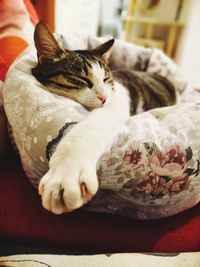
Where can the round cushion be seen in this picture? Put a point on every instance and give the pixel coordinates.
(152, 169)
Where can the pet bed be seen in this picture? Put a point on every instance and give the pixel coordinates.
(152, 168)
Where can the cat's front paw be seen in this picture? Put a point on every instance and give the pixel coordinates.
(68, 186)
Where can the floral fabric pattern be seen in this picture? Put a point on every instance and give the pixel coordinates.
(168, 172)
(152, 168)
(172, 162)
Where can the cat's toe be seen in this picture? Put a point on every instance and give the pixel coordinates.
(79, 191)
(51, 197)
(56, 202)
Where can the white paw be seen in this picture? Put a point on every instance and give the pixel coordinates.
(68, 185)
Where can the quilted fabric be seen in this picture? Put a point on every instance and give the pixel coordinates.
(152, 169)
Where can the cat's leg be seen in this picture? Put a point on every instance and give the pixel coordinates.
(71, 180)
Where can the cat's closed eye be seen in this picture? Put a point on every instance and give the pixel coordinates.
(89, 83)
(106, 79)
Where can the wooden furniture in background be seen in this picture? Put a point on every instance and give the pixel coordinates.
(150, 24)
(46, 11)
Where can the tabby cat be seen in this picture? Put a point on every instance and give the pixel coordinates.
(84, 76)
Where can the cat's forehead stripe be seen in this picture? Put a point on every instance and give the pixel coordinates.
(85, 68)
(78, 62)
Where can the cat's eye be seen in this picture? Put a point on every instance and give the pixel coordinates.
(106, 79)
(89, 83)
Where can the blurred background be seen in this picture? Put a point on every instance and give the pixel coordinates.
(169, 25)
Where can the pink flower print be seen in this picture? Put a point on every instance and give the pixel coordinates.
(135, 156)
(176, 185)
(150, 183)
(172, 162)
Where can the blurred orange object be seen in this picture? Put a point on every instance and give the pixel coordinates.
(11, 47)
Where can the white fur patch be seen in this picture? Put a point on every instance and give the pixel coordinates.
(71, 180)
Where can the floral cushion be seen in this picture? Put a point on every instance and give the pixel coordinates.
(152, 169)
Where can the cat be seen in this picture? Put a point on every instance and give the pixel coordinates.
(112, 97)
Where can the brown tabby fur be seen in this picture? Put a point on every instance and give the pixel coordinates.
(69, 70)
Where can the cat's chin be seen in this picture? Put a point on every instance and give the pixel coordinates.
(92, 107)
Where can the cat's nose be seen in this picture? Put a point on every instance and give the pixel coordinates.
(102, 98)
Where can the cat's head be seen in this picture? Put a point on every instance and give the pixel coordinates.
(82, 75)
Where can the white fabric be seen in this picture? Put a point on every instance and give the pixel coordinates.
(114, 260)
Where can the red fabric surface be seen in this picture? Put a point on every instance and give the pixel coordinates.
(3, 68)
(23, 221)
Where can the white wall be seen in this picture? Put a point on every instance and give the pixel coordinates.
(188, 52)
(110, 22)
(77, 16)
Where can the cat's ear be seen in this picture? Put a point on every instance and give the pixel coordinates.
(104, 50)
(46, 44)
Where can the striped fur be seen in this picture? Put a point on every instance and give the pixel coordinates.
(84, 75)
(146, 90)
